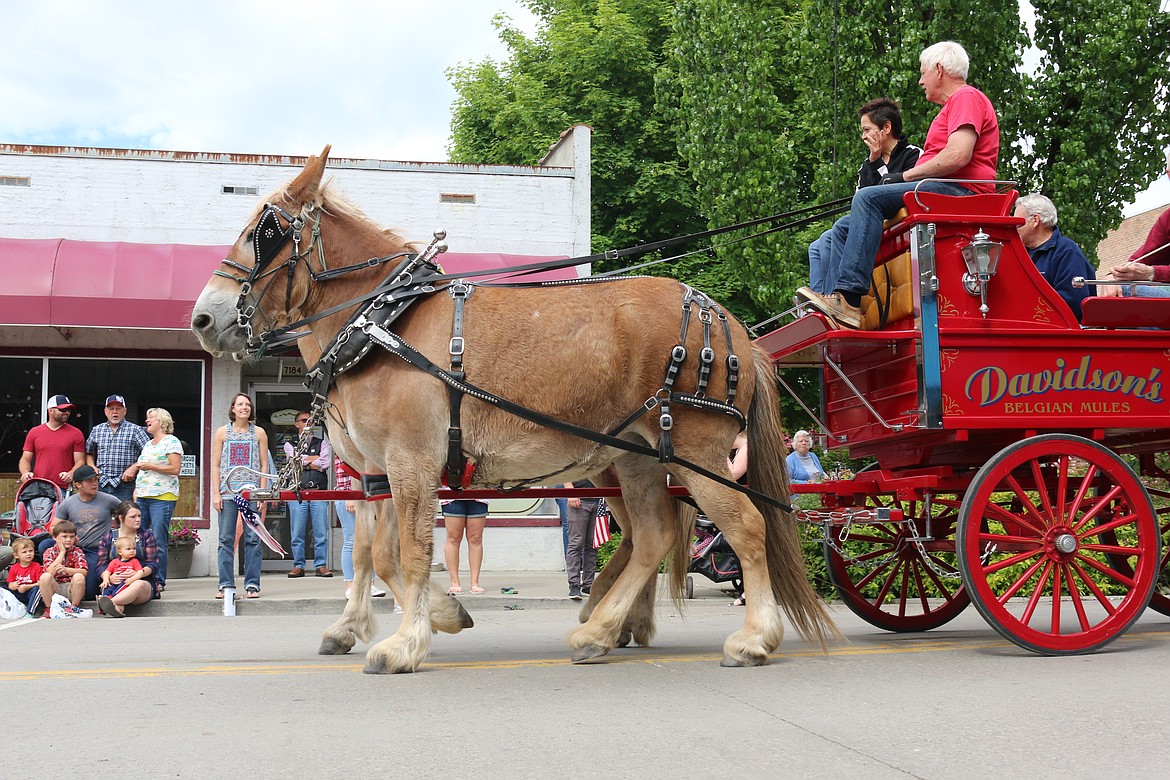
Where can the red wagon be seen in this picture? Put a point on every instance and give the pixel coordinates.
(1010, 442)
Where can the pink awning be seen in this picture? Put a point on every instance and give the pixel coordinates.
(122, 285)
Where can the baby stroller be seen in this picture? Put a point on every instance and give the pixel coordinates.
(36, 504)
(713, 557)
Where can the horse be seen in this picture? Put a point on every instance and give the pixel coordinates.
(588, 356)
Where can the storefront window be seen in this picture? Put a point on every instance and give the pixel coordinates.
(20, 407)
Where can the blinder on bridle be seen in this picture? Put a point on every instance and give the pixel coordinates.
(268, 238)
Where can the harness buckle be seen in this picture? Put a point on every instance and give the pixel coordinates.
(457, 346)
(705, 316)
(707, 355)
(679, 353)
(665, 421)
(733, 362)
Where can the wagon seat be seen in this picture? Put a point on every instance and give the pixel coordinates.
(891, 293)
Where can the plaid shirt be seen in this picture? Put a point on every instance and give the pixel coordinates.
(74, 559)
(117, 450)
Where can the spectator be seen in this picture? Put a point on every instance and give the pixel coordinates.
(803, 464)
(240, 443)
(128, 585)
(346, 516)
(460, 516)
(1057, 257)
(156, 484)
(581, 559)
(65, 566)
(54, 449)
(737, 460)
(24, 576)
(112, 447)
(314, 476)
(889, 152)
(90, 512)
(962, 143)
(1149, 263)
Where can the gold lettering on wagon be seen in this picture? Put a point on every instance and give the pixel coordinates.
(991, 384)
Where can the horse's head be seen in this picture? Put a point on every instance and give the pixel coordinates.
(262, 283)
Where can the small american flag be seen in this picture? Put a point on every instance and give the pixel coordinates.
(601, 525)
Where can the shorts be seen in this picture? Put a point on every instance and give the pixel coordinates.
(465, 507)
(61, 588)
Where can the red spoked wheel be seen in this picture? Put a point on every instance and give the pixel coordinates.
(899, 575)
(1159, 601)
(1041, 528)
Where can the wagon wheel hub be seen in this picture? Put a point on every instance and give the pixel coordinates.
(1065, 543)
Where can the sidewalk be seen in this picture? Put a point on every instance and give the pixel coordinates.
(319, 595)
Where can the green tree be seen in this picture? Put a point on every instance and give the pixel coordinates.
(1092, 115)
(592, 62)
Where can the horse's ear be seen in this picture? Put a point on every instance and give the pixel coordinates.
(304, 187)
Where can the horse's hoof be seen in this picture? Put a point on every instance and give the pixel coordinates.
(380, 667)
(331, 646)
(465, 620)
(751, 660)
(589, 653)
(624, 638)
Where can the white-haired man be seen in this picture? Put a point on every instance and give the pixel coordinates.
(1057, 257)
(962, 143)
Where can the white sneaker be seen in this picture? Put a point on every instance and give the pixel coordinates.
(376, 592)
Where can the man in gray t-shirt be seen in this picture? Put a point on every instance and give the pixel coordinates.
(92, 512)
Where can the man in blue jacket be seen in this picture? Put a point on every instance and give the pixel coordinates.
(1057, 257)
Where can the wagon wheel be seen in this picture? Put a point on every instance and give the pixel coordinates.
(1160, 601)
(1054, 510)
(899, 575)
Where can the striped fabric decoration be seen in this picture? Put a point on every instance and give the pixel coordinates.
(601, 525)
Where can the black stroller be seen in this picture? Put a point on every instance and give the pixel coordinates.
(713, 557)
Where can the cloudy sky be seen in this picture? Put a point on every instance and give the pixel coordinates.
(251, 76)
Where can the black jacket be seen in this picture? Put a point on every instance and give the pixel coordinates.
(903, 158)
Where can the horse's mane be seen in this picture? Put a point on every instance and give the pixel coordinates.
(328, 200)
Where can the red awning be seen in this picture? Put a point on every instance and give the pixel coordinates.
(122, 285)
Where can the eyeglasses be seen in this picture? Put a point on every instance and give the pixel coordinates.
(303, 421)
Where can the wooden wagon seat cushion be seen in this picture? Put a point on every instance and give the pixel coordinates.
(893, 282)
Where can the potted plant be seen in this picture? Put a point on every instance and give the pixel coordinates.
(181, 540)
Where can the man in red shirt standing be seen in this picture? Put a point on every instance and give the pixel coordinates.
(53, 449)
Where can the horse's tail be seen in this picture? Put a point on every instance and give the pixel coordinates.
(678, 563)
(767, 475)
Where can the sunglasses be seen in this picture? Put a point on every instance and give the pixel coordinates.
(304, 420)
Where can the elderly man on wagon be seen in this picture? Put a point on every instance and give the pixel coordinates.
(1057, 257)
(962, 143)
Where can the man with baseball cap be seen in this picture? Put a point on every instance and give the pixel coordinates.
(53, 449)
(92, 511)
(113, 447)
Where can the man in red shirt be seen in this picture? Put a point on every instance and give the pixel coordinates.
(962, 143)
(53, 449)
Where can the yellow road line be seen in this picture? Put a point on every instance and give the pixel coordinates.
(925, 645)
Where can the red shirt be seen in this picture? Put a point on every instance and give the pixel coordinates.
(1158, 238)
(53, 450)
(118, 565)
(74, 559)
(24, 575)
(967, 107)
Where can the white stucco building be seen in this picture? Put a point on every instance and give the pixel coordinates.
(103, 251)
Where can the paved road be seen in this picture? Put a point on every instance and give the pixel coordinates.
(213, 697)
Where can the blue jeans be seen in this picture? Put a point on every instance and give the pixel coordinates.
(820, 254)
(1147, 291)
(563, 511)
(156, 515)
(851, 265)
(348, 523)
(123, 492)
(227, 551)
(299, 513)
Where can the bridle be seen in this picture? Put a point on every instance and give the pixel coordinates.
(269, 237)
